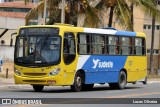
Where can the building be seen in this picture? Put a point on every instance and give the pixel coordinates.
(12, 16)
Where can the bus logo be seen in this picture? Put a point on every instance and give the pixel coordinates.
(104, 64)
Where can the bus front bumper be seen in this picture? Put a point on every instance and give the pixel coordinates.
(50, 80)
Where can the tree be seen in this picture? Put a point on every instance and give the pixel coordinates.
(122, 10)
(148, 7)
(119, 9)
(72, 9)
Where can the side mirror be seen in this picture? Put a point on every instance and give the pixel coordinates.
(11, 42)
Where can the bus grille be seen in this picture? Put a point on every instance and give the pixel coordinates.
(34, 74)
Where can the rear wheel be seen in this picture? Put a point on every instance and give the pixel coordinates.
(145, 81)
(122, 80)
(38, 88)
(77, 85)
(112, 85)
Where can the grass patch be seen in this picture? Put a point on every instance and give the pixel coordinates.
(4, 75)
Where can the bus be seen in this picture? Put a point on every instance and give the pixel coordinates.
(64, 55)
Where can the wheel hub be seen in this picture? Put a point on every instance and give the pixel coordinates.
(78, 81)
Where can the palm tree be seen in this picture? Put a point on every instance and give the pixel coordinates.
(119, 9)
(73, 8)
(147, 6)
(122, 10)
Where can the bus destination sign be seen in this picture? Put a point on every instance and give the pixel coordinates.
(40, 30)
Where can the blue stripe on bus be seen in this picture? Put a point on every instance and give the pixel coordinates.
(103, 69)
(125, 33)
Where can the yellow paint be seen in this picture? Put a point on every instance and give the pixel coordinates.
(136, 68)
(67, 73)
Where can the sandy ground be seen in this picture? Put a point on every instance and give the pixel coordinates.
(8, 65)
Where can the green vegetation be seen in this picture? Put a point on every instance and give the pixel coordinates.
(73, 9)
(121, 10)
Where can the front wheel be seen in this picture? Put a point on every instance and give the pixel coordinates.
(77, 85)
(38, 88)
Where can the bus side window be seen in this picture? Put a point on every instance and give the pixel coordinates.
(138, 46)
(113, 45)
(83, 43)
(144, 47)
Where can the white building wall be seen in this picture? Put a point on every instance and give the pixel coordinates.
(7, 54)
(11, 23)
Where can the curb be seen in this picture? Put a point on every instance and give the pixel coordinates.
(15, 86)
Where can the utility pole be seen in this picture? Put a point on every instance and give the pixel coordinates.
(63, 11)
(44, 13)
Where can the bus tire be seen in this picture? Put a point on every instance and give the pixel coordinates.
(77, 85)
(122, 80)
(38, 88)
(145, 81)
(112, 85)
(86, 87)
(134, 82)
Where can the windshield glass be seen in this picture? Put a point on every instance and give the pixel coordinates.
(37, 50)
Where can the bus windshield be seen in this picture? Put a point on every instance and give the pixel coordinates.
(37, 50)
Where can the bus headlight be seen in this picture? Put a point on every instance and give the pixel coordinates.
(54, 72)
(17, 72)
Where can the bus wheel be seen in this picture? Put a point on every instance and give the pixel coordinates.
(112, 85)
(86, 87)
(77, 85)
(134, 82)
(122, 80)
(145, 81)
(38, 88)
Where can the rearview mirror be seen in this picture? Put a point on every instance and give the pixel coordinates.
(11, 41)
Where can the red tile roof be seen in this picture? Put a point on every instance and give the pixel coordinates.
(13, 14)
(17, 4)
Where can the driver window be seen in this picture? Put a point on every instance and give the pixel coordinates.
(69, 50)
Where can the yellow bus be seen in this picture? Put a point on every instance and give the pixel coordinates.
(64, 55)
